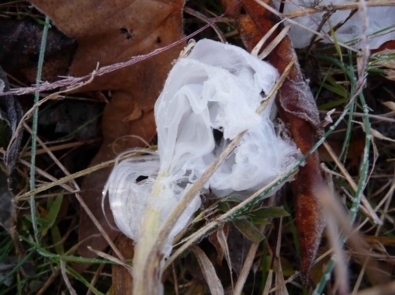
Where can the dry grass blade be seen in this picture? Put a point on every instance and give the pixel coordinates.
(48, 282)
(372, 214)
(30, 112)
(204, 18)
(247, 266)
(274, 43)
(66, 279)
(268, 284)
(379, 290)
(258, 47)
(61, 147)
(208, 271)
(390, 105)
(222, 240)
(82, 202)
(280, 282)
(333, 234)
(48, 176)
(334, 212)
(111, 258)
(378, 135)
(69, 177)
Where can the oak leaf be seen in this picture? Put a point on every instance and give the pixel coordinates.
(109, 32)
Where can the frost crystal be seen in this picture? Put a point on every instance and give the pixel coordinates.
(218, 87)
(381, 23)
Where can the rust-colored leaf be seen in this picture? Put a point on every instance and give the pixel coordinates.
(298, 110)
(122, 281)
(108, 32)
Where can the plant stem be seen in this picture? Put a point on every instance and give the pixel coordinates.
(147, 273)
(34, 128)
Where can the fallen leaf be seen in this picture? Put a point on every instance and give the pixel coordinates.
(249, 230)
(390, 105)
(298, 110)
(20, 43)
(378, 135)
(109, 32)
(11, 113)
(122, 281)
(208, 271)
(214, 240)
(6, 206)
(390, 74)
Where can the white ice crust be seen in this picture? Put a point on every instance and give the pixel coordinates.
(379, 18)
(218, 86)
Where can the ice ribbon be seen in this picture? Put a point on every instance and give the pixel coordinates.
(208, 99)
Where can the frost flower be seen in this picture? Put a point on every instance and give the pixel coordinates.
(347, 25)
(208, 99)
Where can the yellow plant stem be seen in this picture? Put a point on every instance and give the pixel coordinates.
(147, 276)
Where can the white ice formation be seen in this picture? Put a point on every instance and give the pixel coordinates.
(380, 19)
(217, 87)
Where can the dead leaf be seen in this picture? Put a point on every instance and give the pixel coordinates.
(6, 205)
(214, 239)
(249, 230)
(20, 41)
(122, 281)
(109, 32)
(99, 29)
(390, 74)
(11, 113)
(208, 271)
(298, 110)
(378, 135)
(390, 105)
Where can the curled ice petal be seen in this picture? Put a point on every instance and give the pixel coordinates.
(217, 87)
(128, 197)
(220, 87)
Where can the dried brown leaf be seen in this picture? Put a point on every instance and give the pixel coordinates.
(298, 110)
(390, 105)
(11, 113)
(109, 32)
(208, 271)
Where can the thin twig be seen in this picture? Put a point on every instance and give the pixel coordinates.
(66, 279)
(73, 81)
(204, 18)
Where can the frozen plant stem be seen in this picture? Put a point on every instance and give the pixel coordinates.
(34, 128)
(145, 280)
